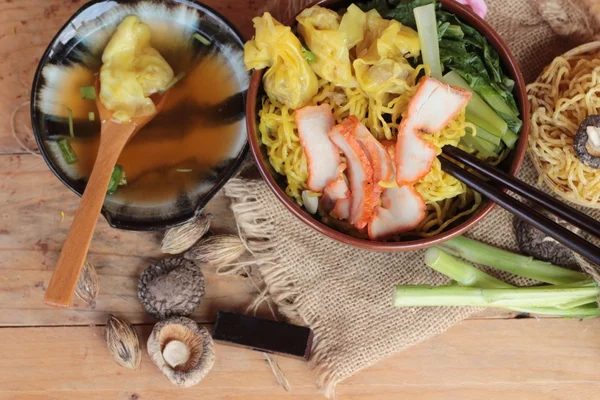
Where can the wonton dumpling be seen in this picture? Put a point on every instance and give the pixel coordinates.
(383, 78)
(289, 80)
(387, 39)
(318, 27)
(353, 24)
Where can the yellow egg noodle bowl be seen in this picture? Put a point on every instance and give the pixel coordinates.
(448, 199)
(561, 98)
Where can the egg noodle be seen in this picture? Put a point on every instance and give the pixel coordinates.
(561, 98)
(447, 198)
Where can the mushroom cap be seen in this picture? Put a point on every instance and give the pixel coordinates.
(537, 244)
(173, 286)
(580, 142)
(200, 345)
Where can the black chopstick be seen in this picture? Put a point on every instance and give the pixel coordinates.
(534, 218)
(560, 209)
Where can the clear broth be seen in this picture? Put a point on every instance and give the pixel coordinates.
(178, 148)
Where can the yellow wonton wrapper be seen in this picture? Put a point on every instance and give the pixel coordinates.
(353, 24)
(381, 67)
(132, 70)
(289, 80)
(319, 27)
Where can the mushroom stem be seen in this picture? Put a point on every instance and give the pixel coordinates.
(176, 353)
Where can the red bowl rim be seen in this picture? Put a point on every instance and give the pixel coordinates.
(513, 70)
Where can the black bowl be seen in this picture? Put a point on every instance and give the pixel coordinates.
(81, 41)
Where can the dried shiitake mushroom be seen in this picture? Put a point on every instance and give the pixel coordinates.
(587, 142)
(173, 286)
(537, 244)
(179, 239)
(183, 351)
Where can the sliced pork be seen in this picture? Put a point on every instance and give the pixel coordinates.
(360, 173)
(429, 111)
(402, 209)
(314, 122)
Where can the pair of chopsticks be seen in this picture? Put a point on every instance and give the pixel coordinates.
(539, 199)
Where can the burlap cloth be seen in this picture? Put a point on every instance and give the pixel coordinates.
(345, 294)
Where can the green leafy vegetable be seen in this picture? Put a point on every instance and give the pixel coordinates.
(70, 116)
(67, 152)
(308, 55)
(453, 32)
(91, 116)
(478, 111)
(202, 39)
(87, 92)
(118, 178)
(403, 11)
(510, 139)
(464, 50)
(485, 148)
(428, 37)
(487, 136)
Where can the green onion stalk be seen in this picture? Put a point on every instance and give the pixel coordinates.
(528, 267)
(467, 275)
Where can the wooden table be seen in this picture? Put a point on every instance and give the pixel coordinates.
(60, 354)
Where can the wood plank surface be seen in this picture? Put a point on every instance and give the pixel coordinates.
(31, 234)
(499, 359)
(60, 354)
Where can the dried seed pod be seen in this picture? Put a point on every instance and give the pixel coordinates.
(177, 240)
(88, 286)
(173, 286)
(217, 250)
(123, 342)
(183, 351)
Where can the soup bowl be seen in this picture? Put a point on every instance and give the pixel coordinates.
(277, 183)
(78, 46)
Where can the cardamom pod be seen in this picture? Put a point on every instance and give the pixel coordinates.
(123, 342)
(179, 239)
(216, 250)
(88, 286)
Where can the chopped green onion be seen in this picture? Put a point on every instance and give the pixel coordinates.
(428, 37)
(183, 170)
(87, 92)
(118, 178)
(92, 116)
(70, 115)
(174, 82)
(308, 55)
(67, 151)
(202, 39)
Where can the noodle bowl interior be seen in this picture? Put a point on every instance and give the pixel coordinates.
(361, 82)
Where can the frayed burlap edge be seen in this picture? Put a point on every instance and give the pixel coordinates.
(259, 236)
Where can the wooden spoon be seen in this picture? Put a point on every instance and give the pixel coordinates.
(113, 138)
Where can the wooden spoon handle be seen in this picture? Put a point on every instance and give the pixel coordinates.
(74, 252)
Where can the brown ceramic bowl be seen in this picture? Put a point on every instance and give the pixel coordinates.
(512, 164)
